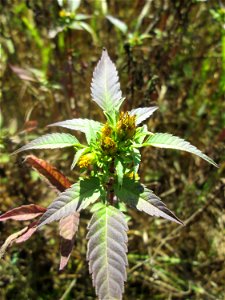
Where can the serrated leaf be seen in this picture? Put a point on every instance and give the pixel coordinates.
(53, 176)
(76, 198)
(23, 213)
(68, 227)
(142, 113)
(137, 195)
(88, 127)
(117, 23)
(105, 87)
(50, 141)
(119, 171)
(107, 252)
(77, 156)
(166, 140)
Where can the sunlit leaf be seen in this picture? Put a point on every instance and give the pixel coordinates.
(51, 141)
(81, 17)
(137, 195)
(23, 213)
(76, 198)
(166, 140)
(142, 113)
(54, 176)
(136, 160)
(107, 252)
(73, 4)
(117, 23)
(119, 171)
(141, 133)
(105, 87)
(89, 127)
(77, 156)
(60, 2)
(68, 227)
(89, 29)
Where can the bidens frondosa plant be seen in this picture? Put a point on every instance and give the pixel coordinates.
(111, 159)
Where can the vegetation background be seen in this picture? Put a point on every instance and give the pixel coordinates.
(169, 53)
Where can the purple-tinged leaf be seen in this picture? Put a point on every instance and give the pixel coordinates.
(31, 229)
(137, 195)
(107, 247)
(10, 240)
(76, 198)
(142, 113)
(152, 205)
(105, 87)
(18, 237)
(53, 176)
(23, 74)
(68, 227)
(51, 141)
(23, 213)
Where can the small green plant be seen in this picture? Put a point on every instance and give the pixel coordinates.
(111, 159)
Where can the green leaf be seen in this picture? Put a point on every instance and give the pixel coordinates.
(51, 141)
(89, 29)
(166, 140)
(76, 198)
(119, 171)
(107, 252)
(82, 17)
(137, 195)
(117, 23)
(77, 156)
(140, 134)
(88, 127)
(105, 87)
(136, 160)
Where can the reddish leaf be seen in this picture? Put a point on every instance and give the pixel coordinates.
(23, 73)
(54, 176)
(23, 213)
(28, 233)
(67, 228)
(10, 240)
(18, 237)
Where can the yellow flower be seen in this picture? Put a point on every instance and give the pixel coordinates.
(108, 145)
(86, 160)
(106, 130)
(126, 126)
(132, 175)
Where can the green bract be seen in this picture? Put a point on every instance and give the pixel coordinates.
(111, 159)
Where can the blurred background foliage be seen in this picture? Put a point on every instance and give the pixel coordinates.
(169, 53)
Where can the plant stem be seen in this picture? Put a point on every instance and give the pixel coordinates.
(110, 184)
